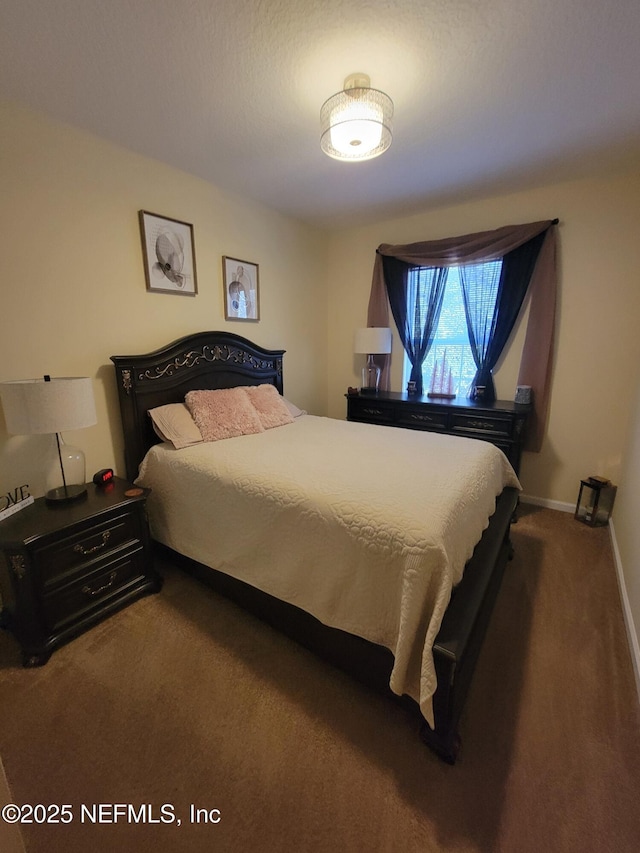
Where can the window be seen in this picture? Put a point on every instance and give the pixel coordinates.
(452, 336)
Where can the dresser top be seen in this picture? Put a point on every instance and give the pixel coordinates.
(458, 402)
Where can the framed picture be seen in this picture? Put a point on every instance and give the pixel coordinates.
(169, 256)
(241, 289)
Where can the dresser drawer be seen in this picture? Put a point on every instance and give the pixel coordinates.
(370, 411)
(67, 556)
(489, 425)
(419, 417)
(70, 602)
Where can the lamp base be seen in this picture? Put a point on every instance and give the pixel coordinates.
(370, 377)
(65, 479)
(65, 494)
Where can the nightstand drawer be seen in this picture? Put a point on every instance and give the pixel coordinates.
(481, 423)
(419, 418)
(57, 561)
(70, 602)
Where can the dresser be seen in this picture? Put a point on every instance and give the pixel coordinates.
(64, 568)
(502, 422)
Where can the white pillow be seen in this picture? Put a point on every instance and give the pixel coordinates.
(173, 423)
(295, 411)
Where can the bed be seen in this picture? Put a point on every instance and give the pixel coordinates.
(324, 545)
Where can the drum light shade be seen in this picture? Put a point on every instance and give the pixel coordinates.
(355, 124)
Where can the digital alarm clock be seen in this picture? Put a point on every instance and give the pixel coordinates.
(102, 477)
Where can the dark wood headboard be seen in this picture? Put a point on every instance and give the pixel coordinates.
(204, 360)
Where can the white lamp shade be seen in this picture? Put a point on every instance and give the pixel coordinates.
(372, 341)
(36, 406)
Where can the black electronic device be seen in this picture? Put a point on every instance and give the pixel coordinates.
(102, 477)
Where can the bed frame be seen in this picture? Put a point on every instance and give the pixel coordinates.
(210, 360)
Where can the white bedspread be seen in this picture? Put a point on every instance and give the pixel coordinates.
(368, 528)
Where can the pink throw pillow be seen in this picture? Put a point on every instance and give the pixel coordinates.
(224, 413)
(271, 408)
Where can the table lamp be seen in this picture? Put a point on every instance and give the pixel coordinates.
(40, 406)
(372, 341)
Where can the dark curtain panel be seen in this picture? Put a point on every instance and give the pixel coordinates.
(489, 326)
(480, 285)
(416, 314)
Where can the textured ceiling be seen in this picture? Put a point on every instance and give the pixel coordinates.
(490, 95)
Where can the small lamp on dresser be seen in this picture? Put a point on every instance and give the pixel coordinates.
(374, 340)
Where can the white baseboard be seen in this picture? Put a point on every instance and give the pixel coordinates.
(560, 505)
(632, 634)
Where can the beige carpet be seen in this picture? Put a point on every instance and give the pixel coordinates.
(183, 699)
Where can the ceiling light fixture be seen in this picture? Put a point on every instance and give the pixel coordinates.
(355, 124)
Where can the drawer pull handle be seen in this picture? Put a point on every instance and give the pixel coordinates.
(482, 424)
(80, 549)
(416, 417)
(373, 411)
(88, 591)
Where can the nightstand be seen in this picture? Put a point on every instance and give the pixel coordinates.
(64, 568)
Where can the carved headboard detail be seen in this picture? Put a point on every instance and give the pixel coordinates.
(204, 360)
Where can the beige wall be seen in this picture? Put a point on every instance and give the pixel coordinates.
(72, 283)
(598, 346)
